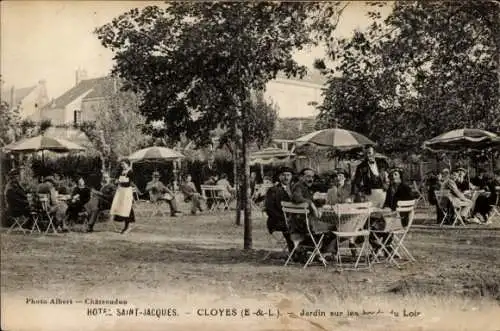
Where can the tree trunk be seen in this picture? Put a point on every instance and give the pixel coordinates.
(237, 185)
(247, 233)
(3, 211)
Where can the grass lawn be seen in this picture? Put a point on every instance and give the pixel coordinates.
(196, 265)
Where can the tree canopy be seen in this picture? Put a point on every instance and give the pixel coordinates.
(197, 63)
(427, 68)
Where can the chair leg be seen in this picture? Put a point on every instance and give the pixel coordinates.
(18, 223)
(36, 220)
(296, 245)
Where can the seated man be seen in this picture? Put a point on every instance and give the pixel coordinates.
(228, 191)
(191, 194)
(16, 197)
(57, 209)
(158, 192)
(302, 192)
(79, 198)
(105, 198)
(275, 195)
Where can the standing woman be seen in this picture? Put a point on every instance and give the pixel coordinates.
(121, 208)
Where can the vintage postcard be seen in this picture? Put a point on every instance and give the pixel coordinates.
(250, 165)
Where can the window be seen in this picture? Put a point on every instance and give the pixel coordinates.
(77, 117)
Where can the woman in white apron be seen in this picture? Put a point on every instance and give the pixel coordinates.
(121, 208)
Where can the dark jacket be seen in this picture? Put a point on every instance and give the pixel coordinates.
(364, 180)
(207, 172)
(401, 193)
(17, 201)
(275, 218)
(106, 196)
(300, 194)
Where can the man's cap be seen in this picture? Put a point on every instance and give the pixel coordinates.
(285, 169)
(49, 179)
(396, 169)
(461, 169)
(339, 171)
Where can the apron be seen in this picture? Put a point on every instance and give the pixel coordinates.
(377, 198)
(122, 202)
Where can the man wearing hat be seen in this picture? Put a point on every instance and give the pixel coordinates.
(370, 179)
(275, 195)
(57, 208)
(17, 201)
(157, 191)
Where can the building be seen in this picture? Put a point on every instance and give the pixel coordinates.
(79, 103)
(28, 101)
(296, 97)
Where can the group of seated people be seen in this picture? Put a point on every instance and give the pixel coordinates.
(63, 208)
(301, 191)
(460, 188)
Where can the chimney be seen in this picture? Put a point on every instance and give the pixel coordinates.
(81, 74)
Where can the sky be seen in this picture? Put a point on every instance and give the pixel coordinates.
(50, 40)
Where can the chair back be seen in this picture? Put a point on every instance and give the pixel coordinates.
(352, 216)
(290, 208)
(44, 200)
(32, 202)
(211, 191)
(406, 208)
(440, 195)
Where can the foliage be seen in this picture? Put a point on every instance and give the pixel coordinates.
(45, 124)
(9, 119)
(429, 67)
(119, 127)
(196, 63)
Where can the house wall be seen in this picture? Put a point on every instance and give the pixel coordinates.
(30, 105)
(90, 107)
(60, 116)
(292, 97)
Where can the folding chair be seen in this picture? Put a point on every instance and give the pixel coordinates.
(421, 194)
(293, 210)
(442, 204)
(18, 222)
(495, 209)
(35, 212)
(44, 200)
(457, 215)
(351, 220)
(156, 206)
(211, 193)
(262, 190)
(397, 232)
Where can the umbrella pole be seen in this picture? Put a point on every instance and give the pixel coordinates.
(262, 171)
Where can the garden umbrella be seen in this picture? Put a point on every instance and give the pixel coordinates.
(269, 155)
(463, 139)
(339, 139)
(44, 143)
(155, 153)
